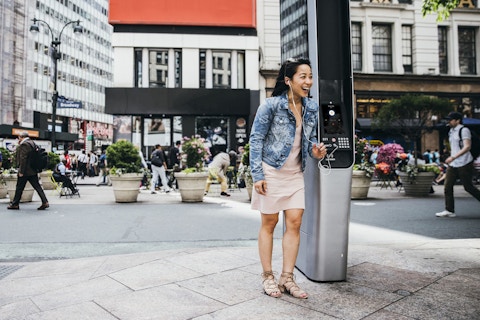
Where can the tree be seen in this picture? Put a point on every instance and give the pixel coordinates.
(441, 7)
(410, 115)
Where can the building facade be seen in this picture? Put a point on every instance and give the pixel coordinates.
(84, 69)
(191, 68)
(396, 50)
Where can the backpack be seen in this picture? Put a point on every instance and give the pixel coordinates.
(475, 148)
(39, 158)
(101, 161)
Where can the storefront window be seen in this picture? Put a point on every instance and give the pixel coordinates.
(215, 131)
(122, 128)
(157, 131)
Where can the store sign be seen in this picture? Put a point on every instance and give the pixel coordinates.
(31, 133)
(466, 4)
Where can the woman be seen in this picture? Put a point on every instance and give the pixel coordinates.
(283, 132)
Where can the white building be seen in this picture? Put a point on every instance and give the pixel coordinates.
(85, 68)
(179, 72)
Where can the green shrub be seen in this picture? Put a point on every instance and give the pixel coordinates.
(123, 155)
(7, 158)
(53, 160)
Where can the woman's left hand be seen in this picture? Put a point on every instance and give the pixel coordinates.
(319, 151)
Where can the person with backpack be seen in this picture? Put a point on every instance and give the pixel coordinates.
(159, 167)
(103, 173)
(26, 173)
(460, 163)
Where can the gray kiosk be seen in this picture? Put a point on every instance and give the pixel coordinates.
(324, 233)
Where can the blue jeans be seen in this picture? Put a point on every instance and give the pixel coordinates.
(465, 174)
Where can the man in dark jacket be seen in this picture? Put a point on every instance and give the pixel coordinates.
(26, 173)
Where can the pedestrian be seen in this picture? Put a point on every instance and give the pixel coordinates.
(74, 162)
(159, 167)
(460, 164)
(68, 164)
(102, 167)
(217, 170)
(60, 175)
(174, 155)
(283, 132)
(26, 173)
(82, 163)
(92, 164)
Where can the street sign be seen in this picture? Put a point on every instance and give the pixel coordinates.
(68, 104)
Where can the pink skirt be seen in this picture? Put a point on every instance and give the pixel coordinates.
(285, 190)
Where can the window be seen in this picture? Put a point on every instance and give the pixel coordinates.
(178, 68)
(382, 47)
(158, 68)
(442, 50)
(466, 50)
(407, 49)
(356, 46)
(221, 69)
(203, 69)
(241, 70)
(138, 68)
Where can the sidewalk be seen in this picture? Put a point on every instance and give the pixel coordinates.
(438, 279)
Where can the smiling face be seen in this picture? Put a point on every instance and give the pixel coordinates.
(301, 82)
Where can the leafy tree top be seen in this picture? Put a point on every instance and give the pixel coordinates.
(410, 114)
(441, 7)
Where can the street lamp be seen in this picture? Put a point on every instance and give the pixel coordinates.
(77, 29)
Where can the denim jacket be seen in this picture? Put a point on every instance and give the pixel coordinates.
(273, 133)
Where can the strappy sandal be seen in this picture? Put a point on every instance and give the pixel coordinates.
(287, 283)
(270, 286)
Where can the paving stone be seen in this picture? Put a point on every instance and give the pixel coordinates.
(18, 309)
(387, 278)
(121, 262)
(83, 311)
(211, 261)
(166, 302)
(266, 308)
(433, 304)
(230, 287)
(344, 300)
(153, 274)
(459, 284)
(78, 293)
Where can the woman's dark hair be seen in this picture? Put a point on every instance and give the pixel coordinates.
(288, 69)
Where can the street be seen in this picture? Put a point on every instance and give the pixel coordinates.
(95, 225)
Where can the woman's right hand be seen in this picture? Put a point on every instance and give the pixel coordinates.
(261, 187)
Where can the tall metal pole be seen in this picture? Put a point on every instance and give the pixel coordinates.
(55, 57)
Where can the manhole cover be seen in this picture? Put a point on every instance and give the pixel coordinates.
(6, 270)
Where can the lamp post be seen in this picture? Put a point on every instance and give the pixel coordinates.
(54, 45)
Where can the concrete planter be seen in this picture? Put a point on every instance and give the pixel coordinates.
(418, 186)
(3, 190)
(46, 181)
(11, 182)
(191, 185)
(125, 187)
(360, 184)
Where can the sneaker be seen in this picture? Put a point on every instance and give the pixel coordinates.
(224, 194)
(446, 214)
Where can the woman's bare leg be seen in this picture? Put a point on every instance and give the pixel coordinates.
(265, 240)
